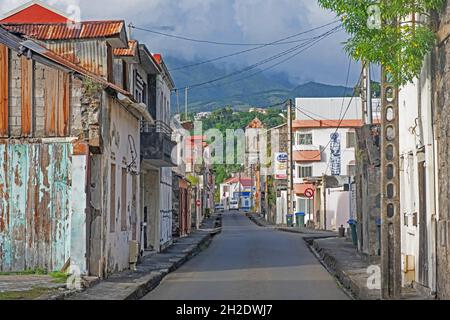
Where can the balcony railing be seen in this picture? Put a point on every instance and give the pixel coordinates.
(158, 126)
(157, 145)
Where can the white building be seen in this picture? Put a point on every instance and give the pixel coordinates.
(324, 145)
(418, 172)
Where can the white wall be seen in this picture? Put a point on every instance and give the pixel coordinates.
(410, 140)
(123, 125)
(321, 138)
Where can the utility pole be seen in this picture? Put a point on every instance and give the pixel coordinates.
(366, 93)
(369, 94)
(290, 161)
(178, 103)
(186, 93)
(390, 189)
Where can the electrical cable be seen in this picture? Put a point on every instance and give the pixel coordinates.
(179, 37)
(279, 55)
(340, 122)
(253, 49)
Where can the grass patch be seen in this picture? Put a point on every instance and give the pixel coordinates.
(58, 277)
(40, 272)
(24, 295)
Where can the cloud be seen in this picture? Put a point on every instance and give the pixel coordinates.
(225, 20)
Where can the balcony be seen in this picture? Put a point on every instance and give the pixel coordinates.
(157, 144)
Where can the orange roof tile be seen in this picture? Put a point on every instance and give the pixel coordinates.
(127, 52)
(309, 124)
(308, 156)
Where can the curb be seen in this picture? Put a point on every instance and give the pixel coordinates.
(346, 282)
(149, 282)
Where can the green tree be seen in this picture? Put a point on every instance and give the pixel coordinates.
(400, 47)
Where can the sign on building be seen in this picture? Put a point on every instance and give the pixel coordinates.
(335, 148)
(281, 166)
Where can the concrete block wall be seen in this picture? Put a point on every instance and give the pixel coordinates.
(15, 100)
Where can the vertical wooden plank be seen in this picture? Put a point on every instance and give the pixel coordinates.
(4, 90)
(5, 233)
(19, 177)
(51, 99)
(45, 204)
(64, 106)
(26, 95)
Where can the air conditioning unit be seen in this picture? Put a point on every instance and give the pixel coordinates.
(134, 254)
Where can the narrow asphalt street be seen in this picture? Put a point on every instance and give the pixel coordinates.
(249, 262)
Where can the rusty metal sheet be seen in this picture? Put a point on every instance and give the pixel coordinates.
(35, 193)
(89, 55)
(4, 90)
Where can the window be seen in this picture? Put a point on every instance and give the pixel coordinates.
(351, 170)
(123, 201)
(112, 209)
(304, 172)
(351, 139)
(304, 139)
(140, 89)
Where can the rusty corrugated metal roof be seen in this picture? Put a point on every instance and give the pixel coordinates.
(64, 31)
(127, 52)
(70, 65)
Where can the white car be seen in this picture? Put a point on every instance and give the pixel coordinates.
(234, 205)
(219, 207)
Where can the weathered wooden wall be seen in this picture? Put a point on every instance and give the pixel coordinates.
(35, 189)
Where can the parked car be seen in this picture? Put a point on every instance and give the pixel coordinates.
(219, 207)
(234, 205)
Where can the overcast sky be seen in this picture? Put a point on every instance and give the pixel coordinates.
(249, 21)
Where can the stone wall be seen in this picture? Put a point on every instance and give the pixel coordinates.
(441, 110)
(368, 183)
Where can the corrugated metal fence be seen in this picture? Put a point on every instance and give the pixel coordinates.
(35, 185)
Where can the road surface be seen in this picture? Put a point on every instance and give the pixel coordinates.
(246, 262)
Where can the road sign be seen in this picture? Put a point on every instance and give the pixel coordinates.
(199, 203)
(309, 193)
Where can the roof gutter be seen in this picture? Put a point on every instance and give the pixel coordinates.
(141, 108)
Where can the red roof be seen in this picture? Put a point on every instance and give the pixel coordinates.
(246, 182)
(158, 57)
(309, 124)
(307, 156)
(34, 12)
(64, 31)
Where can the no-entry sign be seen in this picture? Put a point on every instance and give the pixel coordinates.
(309, 193)
(199, 203)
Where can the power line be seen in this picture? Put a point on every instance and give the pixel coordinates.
(278, 42)
(180, 37)
(309, 45)
(340, 122)
(279, 55)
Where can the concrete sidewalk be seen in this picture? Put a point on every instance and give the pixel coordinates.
(133, 285)
(258, 220)
(344, 262)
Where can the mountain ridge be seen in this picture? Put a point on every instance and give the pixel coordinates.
(261, 90)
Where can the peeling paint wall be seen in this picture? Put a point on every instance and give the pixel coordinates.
(123, 151)
(35, 192)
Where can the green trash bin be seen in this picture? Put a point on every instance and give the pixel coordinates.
(290, 220)
(300, 218)
(352, 224)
